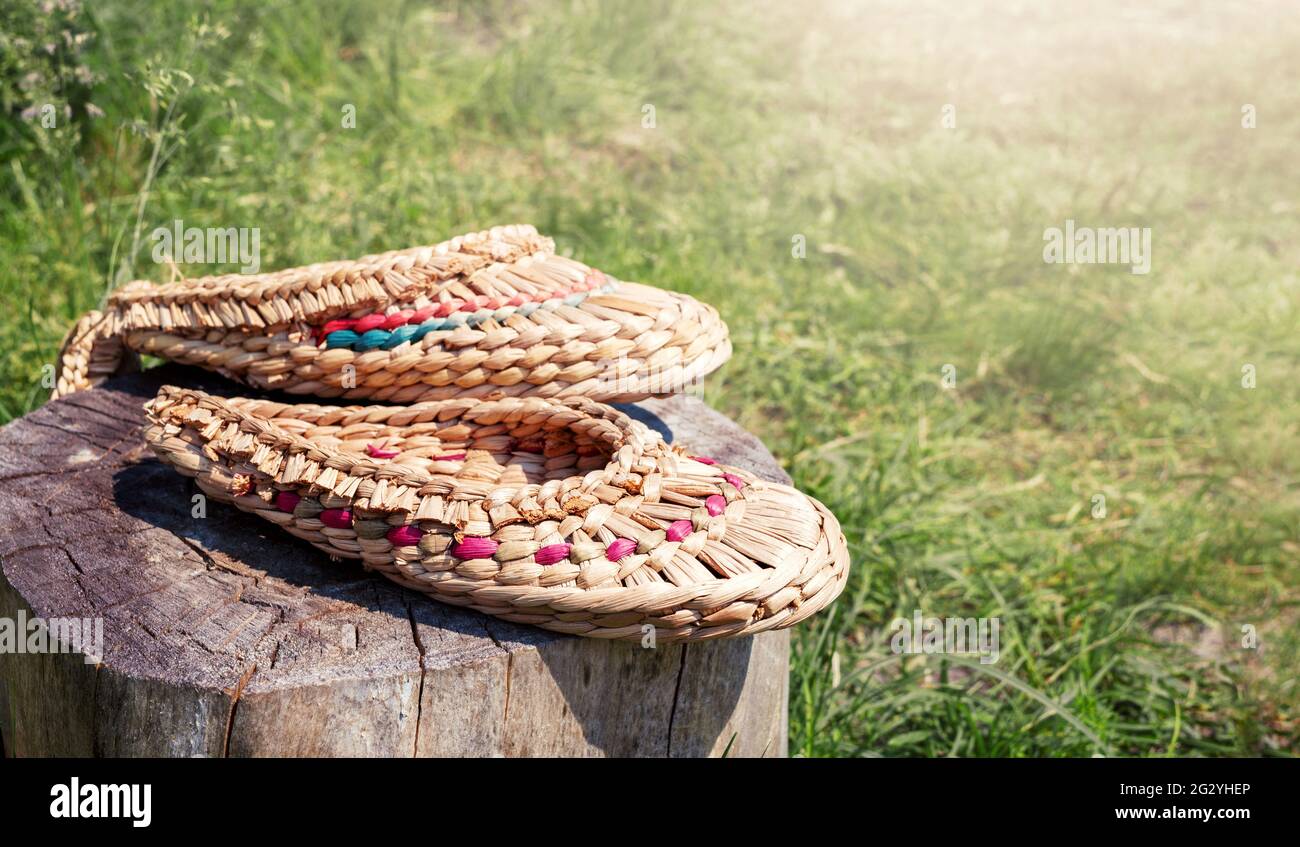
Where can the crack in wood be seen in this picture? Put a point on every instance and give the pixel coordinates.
(234, 704)
(419, 696)
(677, 696)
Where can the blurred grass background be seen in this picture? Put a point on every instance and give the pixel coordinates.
(1121, 633)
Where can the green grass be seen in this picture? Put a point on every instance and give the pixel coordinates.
(1120, 634)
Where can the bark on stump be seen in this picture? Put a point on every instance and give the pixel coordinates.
(224, 637)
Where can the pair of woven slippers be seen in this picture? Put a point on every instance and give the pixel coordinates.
(505, 485)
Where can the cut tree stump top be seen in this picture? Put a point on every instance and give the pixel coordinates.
(223, 636)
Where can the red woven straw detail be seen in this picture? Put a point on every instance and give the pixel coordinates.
(405, 536)
(678, 530)
(369, 322)
(474, 547)
(551, 554)
(619, 548)
(337, 518)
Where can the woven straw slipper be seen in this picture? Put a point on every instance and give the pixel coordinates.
(566, 514)
(491, 314)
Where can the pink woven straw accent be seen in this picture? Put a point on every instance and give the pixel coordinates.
(337, 518)
(474, 548)
(368, 323)
(397, 319)
(405, 536)
(335, 326)
(704, 460)
(678, 530)
(734, 480)
(551, 554)
(286, 501)
(619, 548)
(716, 504)
(381, 452)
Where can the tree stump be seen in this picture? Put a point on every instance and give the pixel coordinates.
(224, 637)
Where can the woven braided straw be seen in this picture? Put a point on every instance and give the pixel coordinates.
(563, 513)
(487, 315)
